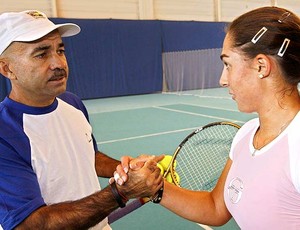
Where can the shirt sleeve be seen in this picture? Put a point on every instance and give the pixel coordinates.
(20, 193)
(294, 140)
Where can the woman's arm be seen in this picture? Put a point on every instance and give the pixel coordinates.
(199, 206)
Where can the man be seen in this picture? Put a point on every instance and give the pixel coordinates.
(49, 160)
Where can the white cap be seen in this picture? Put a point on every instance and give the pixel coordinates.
(30, 25)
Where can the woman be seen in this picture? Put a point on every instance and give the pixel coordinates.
(260, 184)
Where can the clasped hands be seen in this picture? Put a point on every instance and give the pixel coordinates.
(138, 177)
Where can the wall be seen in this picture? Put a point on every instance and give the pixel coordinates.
(117, 57)
(173, 10)
(197, 10)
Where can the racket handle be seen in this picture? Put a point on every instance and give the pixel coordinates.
(119, 213)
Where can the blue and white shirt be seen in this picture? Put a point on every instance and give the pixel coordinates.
(47, 155)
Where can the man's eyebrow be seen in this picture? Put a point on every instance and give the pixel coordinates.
(223, 55)
(40, 48)
(61, 45)
(46, 47)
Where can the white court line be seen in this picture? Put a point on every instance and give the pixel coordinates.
(196, 114)
(208, 107)
(198, 95)
(205, 227)
(168, 132)
(148, 135)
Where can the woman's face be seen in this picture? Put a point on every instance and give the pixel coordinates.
(240, 75)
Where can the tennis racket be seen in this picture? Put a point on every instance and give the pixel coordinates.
(198, 160)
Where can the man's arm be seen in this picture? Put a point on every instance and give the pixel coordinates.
(80, 214)
(105, 165)
(87, 212)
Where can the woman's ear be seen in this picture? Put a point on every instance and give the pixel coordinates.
(263, 64)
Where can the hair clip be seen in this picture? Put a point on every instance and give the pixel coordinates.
(283, 17)
(283, 47)
(258, 35)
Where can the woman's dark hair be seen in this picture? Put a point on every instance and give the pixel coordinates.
(281, 25)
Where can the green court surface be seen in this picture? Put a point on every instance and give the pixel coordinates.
(156, 124)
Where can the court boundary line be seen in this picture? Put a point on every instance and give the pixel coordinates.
(155, 134)
(196, 114)
(92, 110)
(197, 95)
(172, 131)
(209, 107)
(147, 135)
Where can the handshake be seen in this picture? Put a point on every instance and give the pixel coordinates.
(143, 177)
(164, 164)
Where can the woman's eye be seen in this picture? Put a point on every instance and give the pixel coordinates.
(61, 51)
(226, 65)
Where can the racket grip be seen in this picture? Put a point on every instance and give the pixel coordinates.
(119, 213)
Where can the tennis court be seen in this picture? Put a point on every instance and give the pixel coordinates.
(156, 124)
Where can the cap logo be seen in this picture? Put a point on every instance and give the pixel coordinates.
(36, 14)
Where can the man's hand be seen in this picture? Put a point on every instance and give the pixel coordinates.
(127, 162)
(144, 181)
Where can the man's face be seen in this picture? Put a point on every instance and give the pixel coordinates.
(39, 70)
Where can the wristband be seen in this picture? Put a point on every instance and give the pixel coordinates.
(119, 197)
(158, 195)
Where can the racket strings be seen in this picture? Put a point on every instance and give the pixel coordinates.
(203, 156)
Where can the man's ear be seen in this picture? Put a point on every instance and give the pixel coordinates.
(5, 70)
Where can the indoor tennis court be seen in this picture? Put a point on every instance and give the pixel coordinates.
(148, 72)
(155, 124)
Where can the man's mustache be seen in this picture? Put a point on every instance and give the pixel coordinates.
(58, 73)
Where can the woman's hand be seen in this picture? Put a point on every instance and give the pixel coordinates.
(127, 162)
